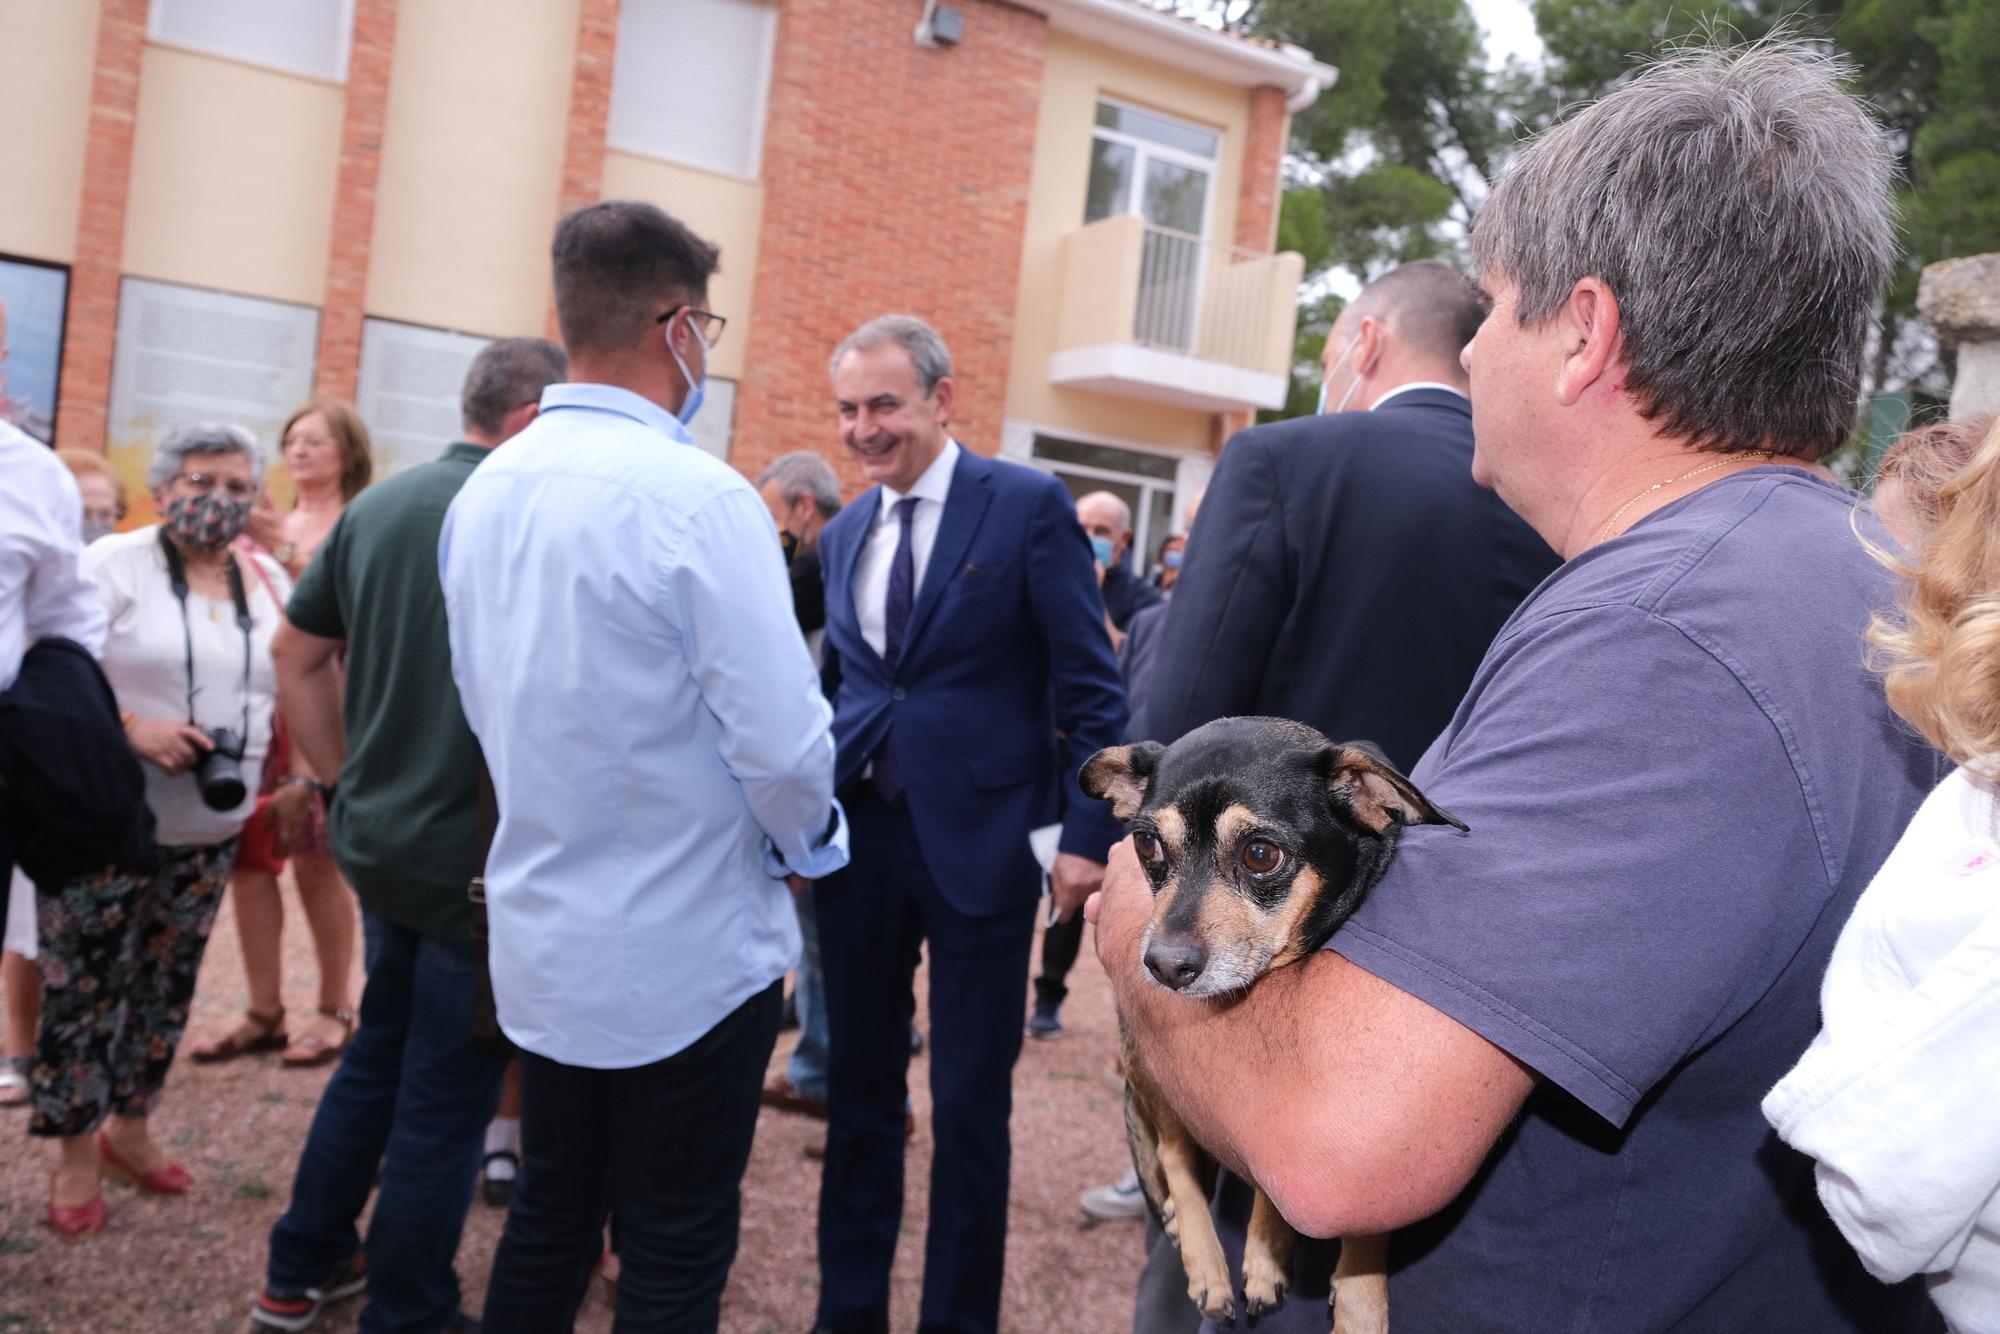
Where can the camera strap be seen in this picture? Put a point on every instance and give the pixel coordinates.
(177, 580)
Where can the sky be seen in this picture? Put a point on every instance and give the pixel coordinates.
(1510, 30)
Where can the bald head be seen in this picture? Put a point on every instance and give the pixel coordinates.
(1407, 326)
(1104, 515)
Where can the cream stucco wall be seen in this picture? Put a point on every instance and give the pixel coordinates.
(1076, 75)
(233, 172)
(471, 174)
(726, 211)
(46, 54)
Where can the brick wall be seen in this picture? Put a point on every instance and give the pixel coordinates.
(589, 111)
(1263, 159)
(100, 241)
(896, 180)
(342, 308)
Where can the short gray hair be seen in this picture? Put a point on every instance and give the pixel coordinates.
(927, 351)
(1737, 204)
(507, 373)
(1119, 507)
(203, 438)
(804, 473)
(1433, 307)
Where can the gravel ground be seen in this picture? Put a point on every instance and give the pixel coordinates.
(195, 1263)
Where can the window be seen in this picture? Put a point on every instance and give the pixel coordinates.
(690, 79)
(1143, 480)
(303, 36)
(1159, 169)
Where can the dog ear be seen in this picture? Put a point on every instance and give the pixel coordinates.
(1122, 775)
(1366, 787)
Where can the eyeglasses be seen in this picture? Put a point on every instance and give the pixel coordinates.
(203, 483)
(710, 325)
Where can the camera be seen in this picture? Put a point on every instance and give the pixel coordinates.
(219, 772)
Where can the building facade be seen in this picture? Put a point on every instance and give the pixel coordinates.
(242, 204)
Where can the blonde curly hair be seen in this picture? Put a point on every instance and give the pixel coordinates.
(1941, 661)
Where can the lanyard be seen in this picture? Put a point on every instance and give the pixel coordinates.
(177, 578)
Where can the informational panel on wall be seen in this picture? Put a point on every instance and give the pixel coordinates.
(33, 298)
(184, 354)
(718, 413)
(409, 387)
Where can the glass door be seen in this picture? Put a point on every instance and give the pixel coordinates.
(1160, 169)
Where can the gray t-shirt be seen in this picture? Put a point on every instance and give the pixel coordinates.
(1679, 775)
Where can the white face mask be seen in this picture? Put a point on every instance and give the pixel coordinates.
(1345, 353)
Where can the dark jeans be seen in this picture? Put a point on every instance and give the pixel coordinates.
(1060, 944)
(874, 916)
(664, 1146)
(412, 1094)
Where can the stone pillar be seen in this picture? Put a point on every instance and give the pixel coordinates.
(1961, 299)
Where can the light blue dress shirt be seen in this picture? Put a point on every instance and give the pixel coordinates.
(623, 641)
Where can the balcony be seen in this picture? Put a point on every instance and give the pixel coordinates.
(1157, 314)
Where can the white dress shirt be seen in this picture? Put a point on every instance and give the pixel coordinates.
(878, 549)
(1412, 388)
(146, 660)
(624, 645)
(1896, 1097)
(43, 594)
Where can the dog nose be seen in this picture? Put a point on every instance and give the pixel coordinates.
(1176, 961)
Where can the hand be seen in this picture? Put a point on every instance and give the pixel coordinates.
(1099, 571)
(266, 527)
(1072, 880)
(797, 883)
(173, 747)
(291, 808)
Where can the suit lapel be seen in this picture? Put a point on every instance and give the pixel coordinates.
(864, 509)
(964, 506)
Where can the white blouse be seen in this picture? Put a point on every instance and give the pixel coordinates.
(145, 659)
(1898, 1098)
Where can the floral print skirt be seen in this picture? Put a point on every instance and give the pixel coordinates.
(119, 954)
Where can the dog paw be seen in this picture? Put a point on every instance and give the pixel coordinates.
(1262, 1294)
(1216, 1303)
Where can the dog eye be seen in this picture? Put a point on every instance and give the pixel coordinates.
(1148, 847)
(1261, 858)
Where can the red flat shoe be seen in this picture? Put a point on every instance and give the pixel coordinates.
(173, 1179)
(77, 1222)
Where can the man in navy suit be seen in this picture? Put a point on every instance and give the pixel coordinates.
(964, 632)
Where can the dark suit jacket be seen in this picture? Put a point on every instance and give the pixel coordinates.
(1347, 572)
(1006, 647)
(1126, 595)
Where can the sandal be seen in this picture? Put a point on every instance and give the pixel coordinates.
(14, 1080)
(257, 1032)
(310, 1049)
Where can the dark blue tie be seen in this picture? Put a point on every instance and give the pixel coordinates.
(895, 625)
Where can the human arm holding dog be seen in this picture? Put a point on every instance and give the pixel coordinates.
(1083, 674)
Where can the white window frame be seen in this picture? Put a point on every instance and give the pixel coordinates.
(1146, 148)
(1192, 470)
(155, 33)
(759, 110)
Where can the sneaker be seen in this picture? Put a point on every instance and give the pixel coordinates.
(1120, 1200)
(293, 1311)
(1046, 1022)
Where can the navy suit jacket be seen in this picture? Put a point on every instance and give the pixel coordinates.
(1344, 571)
(1006, 649)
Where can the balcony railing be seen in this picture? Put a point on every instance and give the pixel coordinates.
(1159, 314)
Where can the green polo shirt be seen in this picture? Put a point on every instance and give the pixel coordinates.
(405, 817)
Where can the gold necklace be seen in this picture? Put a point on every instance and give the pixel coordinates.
(1604, 533)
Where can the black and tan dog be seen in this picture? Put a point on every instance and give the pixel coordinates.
(1260, 837)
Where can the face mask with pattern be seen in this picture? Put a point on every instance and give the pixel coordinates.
(206, 523)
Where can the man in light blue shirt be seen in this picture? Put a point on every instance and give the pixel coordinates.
(623, 641)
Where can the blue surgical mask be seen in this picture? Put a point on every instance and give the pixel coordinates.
(1172, 560)
(1103, 549)
(1344, 354)
(697, 389)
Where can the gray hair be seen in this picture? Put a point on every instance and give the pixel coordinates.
(203, 438)
(1737, 204)
(1430, 305)
(927, 351)
(507, 373)
(1119, 507)
(804, 473)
